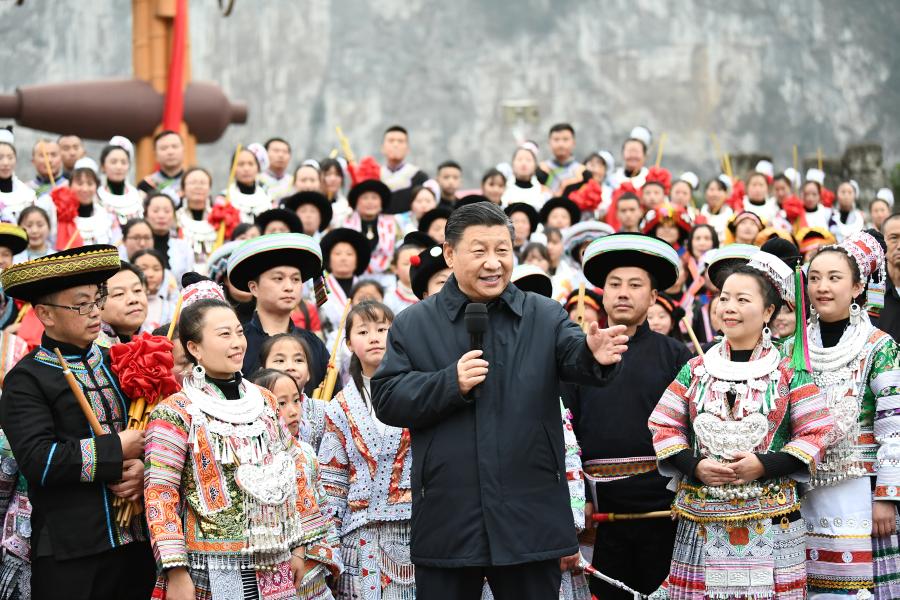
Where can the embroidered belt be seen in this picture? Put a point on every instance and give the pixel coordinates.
(778, 498)
(603, 470)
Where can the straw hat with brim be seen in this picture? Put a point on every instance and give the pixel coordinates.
(651, 254)
(86, 265)
(265, 218)
(292, 203)
(369, 185)
(256, 256)
(530, 278)
(726, 259)
(349, 236)
(571, 207)
(423, 267)
(431, 216)
(13, 237)
(471, 199)
(529, 211)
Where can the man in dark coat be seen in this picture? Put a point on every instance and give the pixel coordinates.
(611, 421)
(489, 491)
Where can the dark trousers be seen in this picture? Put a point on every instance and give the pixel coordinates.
(637, 553)
(124, 573)
(530, 581)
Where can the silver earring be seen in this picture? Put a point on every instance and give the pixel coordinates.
(855, 313)
(766, 337)
(813, 315)
(198, 377)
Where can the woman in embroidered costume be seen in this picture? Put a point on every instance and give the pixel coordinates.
(196, 230)
(732, 429)
(855, 364)
(118, 196)
(15, 194)
(95, 224)
(246, 194)
(290, 353)
(345, 254)
(231, 509)
(366, 470)
(368, 199)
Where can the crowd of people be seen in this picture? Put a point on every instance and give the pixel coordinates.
(742, 443)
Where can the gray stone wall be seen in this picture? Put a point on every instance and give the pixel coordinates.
(762, 74)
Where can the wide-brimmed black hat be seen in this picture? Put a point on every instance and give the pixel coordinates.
(86, 265)
(423, 266)
(526, 208)
(417, 238)
(571, 207)
(531, 278)
(369, 185)
(279, 214)
(257, 255)
(352, 237)
(13, 237)
(651, 254)
(292, 203)
(431, 216)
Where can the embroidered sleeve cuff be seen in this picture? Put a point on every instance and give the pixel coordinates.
(887, 492)
(805, 457)
(108, 458)
(88, 460)
(662, 453)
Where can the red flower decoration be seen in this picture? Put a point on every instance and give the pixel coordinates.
(144, 367)
(793, 208)
(736, 200)
(660, 176)
(224, 213)
(589, 196)
(368, 168)
(66, 201)
(827, 197)
(415, 260)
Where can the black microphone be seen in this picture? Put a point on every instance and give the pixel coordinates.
(476, 324)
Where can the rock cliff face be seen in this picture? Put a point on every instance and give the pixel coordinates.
(762, 74)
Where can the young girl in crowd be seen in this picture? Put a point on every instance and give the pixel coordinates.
(159, 210)
(162, 291)
(36, 223)
(365, 467)
(289, 353)
(95, 224)
(493, 184)
(246, 194)
(118, 196)
(423, 200)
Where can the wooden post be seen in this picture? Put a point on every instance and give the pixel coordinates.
(152, 23)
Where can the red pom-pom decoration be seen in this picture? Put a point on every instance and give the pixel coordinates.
(144, 367)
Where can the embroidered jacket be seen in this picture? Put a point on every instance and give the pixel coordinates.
(870, 412)
(366, 473)
(781, 412)
(15, 509)
(195, 509)
(67, 466)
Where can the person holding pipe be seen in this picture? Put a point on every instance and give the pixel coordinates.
(489, 492)
(75, 468)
